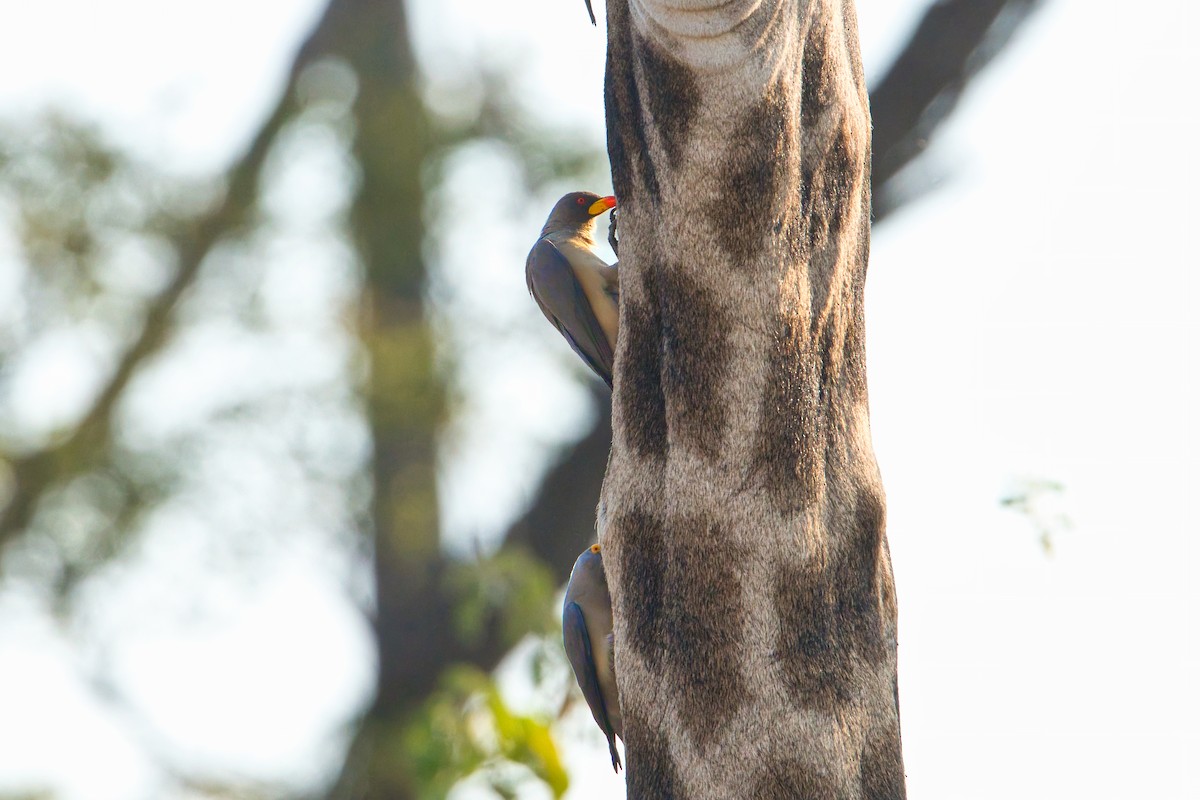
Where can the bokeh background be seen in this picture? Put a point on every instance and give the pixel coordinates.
(292, 470)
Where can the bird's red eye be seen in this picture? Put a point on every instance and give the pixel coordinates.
(580, 200)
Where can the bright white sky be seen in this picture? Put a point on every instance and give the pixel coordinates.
(1032, 318)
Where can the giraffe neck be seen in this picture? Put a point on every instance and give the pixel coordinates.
(755, 619)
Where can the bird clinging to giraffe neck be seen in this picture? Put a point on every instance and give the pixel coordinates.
(743, 513)
(574, 287)
(588, 642)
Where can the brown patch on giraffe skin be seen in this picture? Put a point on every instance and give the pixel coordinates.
(643, 569)
(643, 405)
(817, 668)
(840, 171)
(793, 779)
(856, 575)
(672, 95)
(827, 186)
(628, 150)
(802, 225)
(702, 622)
(842, 379)
(830, 618)
(828, 367)
(649, 770)
(786, 464)
(683, 602)
(743, 213)
(696, 359)
(881, 768)
(810, 371)
(817, 77)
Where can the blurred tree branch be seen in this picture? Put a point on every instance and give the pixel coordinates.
(81, 449)
(431, 611)
(954, 40)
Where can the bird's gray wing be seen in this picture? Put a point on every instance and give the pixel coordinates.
(579, 652)
(554, 287)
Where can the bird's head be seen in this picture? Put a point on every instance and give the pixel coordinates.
(589, 566)
(578, 211)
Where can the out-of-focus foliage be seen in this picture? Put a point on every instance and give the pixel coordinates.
(116, 282)
(467, 730)
(509, 592)
(177, 417)
(1040, 501)
(480, 106)
(90, 233)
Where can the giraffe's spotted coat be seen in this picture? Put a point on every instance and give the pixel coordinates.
(652, 771)
(641, 398)
(856, 578)
(643, 587)
(817, 87)
(756, 624)
(785, 454)
(693, 638)
(813, 658)
(629, 153)
(830, 196)
(672, 97)
(831, 621)
(702, 630)
(882, 766)
(743, 211)
(696, 358)
(792, 779)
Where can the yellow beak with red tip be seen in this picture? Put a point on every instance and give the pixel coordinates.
(602, 205)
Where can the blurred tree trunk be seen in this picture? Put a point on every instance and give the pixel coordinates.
(404, 395)
(418, 589)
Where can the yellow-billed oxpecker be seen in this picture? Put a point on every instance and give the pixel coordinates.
(574, 287)
(588, 639)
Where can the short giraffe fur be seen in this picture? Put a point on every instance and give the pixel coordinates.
(742, 516)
